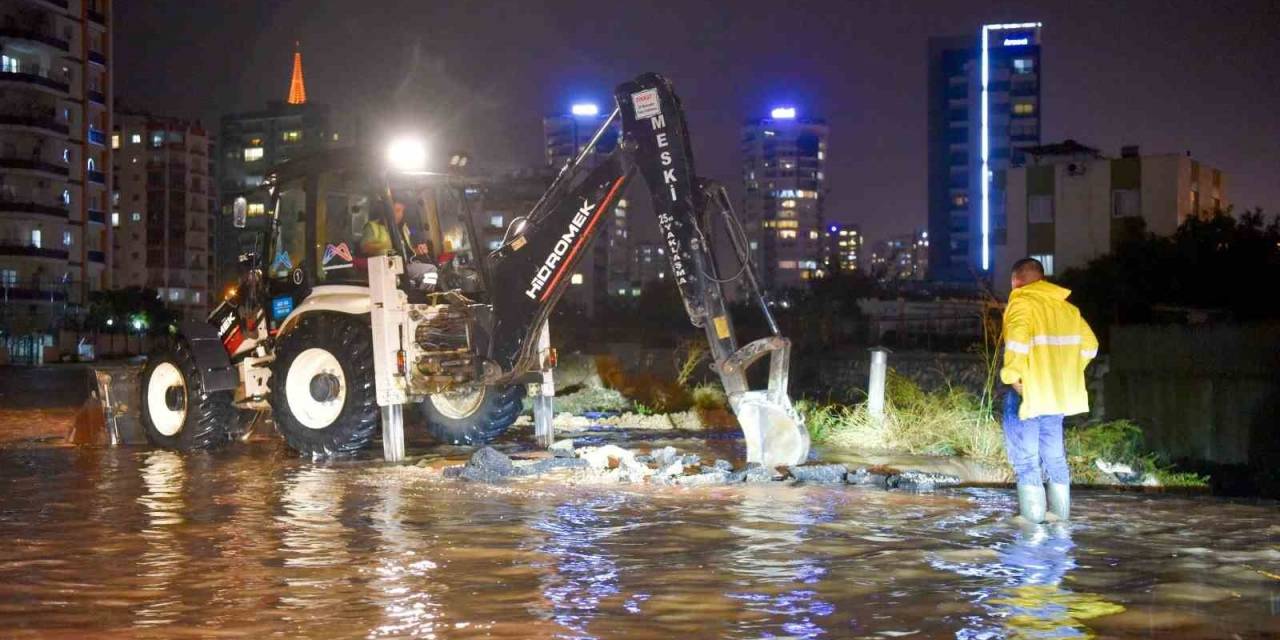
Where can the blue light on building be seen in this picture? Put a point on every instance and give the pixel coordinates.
(585, 109)
(985, 134)
(783, 113)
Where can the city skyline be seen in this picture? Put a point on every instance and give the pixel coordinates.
(1115, 80)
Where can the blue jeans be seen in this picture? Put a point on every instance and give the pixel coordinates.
(1034, 444)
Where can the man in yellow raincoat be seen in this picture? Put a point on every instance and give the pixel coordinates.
(1047, 346)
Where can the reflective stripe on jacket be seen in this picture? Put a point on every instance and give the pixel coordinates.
(1047, 346)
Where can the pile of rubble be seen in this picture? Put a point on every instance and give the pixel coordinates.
(667, 466)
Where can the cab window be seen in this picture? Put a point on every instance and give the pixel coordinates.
(342, 215)
(290, 247)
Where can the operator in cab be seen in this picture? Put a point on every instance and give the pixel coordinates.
(375, 240)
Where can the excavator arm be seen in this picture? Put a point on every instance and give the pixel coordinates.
(531, 270)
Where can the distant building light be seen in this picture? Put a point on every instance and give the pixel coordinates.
(585, 109)
(783, 113)
(833, 228)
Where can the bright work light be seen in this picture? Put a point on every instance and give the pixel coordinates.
(585, 109)
(407, 154)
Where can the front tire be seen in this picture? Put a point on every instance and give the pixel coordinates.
(472, 415)
(176, 412)
(323, 398)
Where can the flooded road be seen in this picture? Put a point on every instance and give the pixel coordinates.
(254, 542)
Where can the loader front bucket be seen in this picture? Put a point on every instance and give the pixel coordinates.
(774, 432)
(111, 414)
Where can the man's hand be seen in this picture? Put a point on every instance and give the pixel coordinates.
(1017, 386)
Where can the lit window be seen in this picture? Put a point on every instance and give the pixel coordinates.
(787, 224)
(135, 138)
(115, 218)
(255, 142)
(495, 220)
(786, 264)
(8, 277)
(577, 279)
(252, 153)
(8, 64)
(35, 238)
(256, 209)
(66, 238)
(1024, 108)
(66, 197)
(115, 141)
(157, 138)
(1045, 259)
(91, 164)
(769, 134)
(1023, 65)
(813, 234)
(788, 204)
(635, 292)
(195, 297)
(291, 136)
(66, 156)
(494, 245)
(175, 294)
(135, 217)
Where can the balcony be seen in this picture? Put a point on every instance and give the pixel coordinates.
(97, 57)
(28, 251)
(32, 207)
(97, 96)
(97, 216)
(33, 33)
(57, 170)
(97, 256)
(97, 136)
(31, 74)
(46, 123)
(97, 177)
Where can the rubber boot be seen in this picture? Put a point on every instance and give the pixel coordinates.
(1031, 502)
(1060, 500)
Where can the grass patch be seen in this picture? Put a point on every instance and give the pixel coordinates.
(953, 422)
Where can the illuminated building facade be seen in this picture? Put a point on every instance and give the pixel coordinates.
(784, 174)
(163, 214)
(56, 80)
(984, 112)
(843, 249)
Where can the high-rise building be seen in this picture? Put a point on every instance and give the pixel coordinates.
(604, 270)
(843, 249)
(984, 112)
(783, 169)
(55, 160)
(164, 203)
(648, 265)
(1068, 204)
(252, 142)
(901, 257)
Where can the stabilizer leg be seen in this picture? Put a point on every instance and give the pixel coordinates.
(393, 433)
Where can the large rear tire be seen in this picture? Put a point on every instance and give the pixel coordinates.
(323, 398)
(176, 412)
(472, 415)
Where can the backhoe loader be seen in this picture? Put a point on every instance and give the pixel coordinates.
(342, 317)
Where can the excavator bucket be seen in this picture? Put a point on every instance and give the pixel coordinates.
(110, 415)
(774, 432)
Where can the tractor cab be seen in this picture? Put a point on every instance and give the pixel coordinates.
(335, 210)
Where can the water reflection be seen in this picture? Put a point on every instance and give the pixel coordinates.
(312, 538)
(771, 529)
(584, 573)
(1030, 600)
(403, 572)
(163, 474)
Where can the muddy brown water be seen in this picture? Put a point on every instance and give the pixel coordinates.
(252, 542)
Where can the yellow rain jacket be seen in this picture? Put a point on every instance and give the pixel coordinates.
(1046, 347)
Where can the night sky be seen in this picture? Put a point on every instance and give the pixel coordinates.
(1167, 75)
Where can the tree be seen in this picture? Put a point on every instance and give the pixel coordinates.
(131, 309)
(1222, 263)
